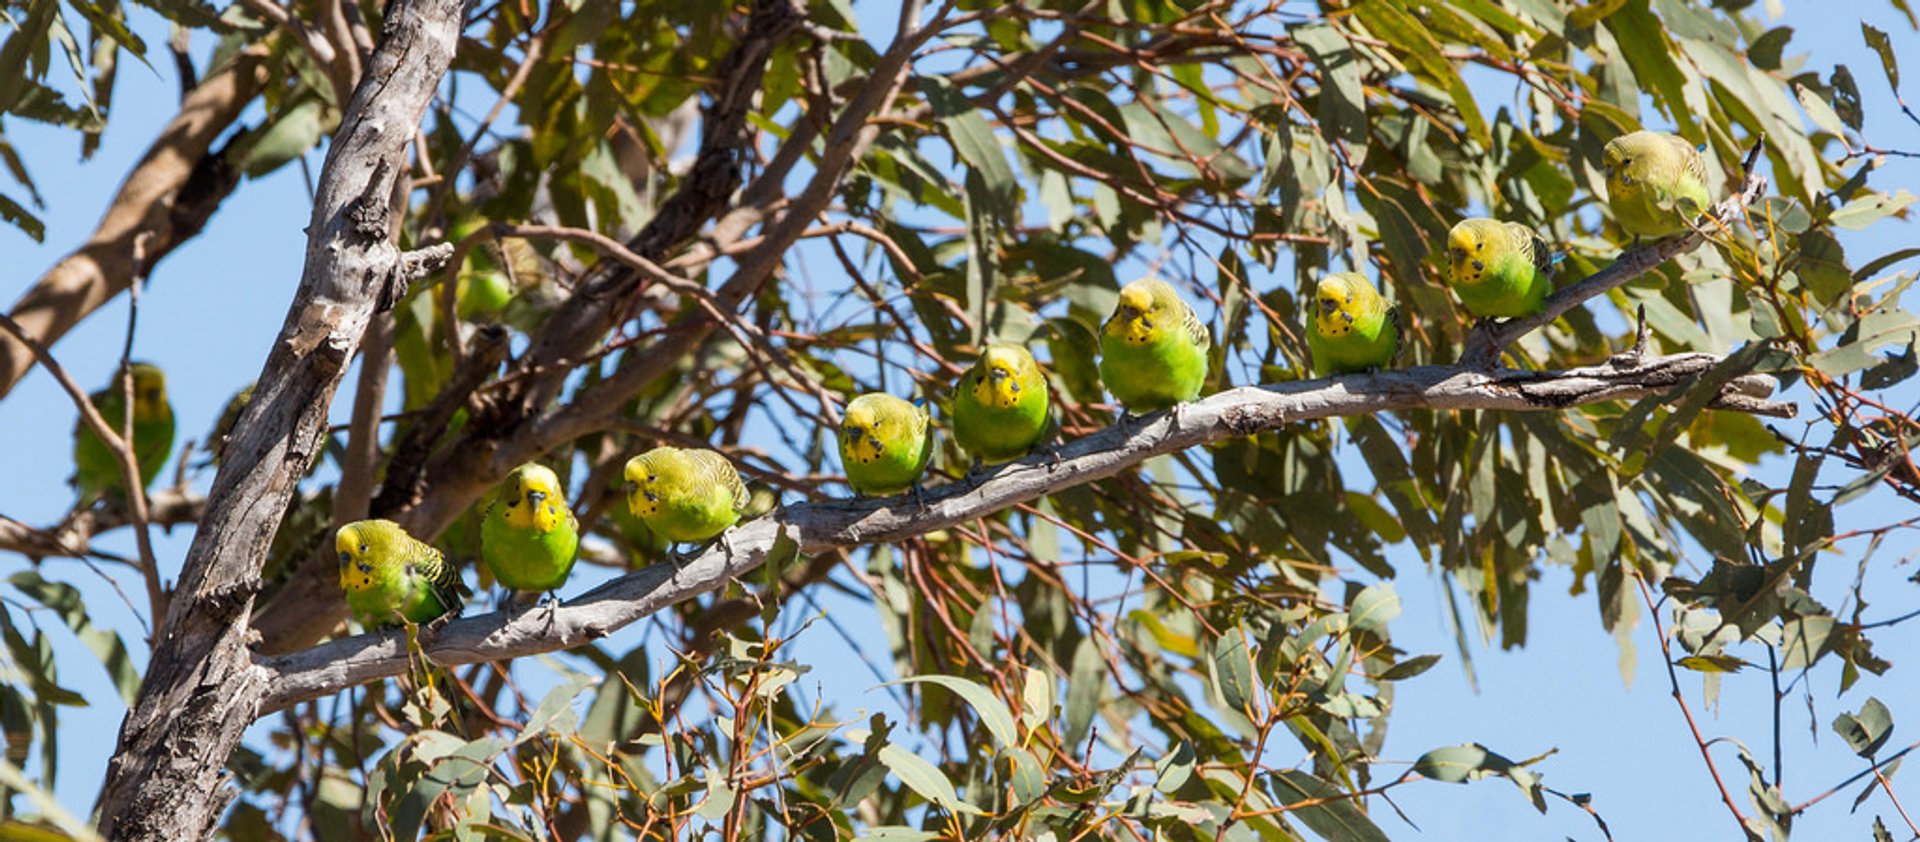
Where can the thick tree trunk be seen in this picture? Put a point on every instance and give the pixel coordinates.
(166, 780)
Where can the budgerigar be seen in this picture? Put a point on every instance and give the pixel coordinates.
(1000, 409)
(1153, 350)
(884, 444)
(529, 534)
(391, 578)
(1656, 183)
(1499, 269)
(1353, 329)
(96, 467)
(685, 496)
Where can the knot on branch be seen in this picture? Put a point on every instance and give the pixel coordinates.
(371, 211)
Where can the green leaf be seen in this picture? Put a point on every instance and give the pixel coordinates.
(1036, 697)
(1869, 209)
(555, 712)
(1083, 689)
(1822, 114)
(1461, 763)
(1342, 101)
(1884, 46)
(1336, 819)
(1712, 663)
(1233, 669)
(1410, 667)
(993, 712)
(22, 219)
(973, 140)
(1173, 769)
(11, 778)
(1374, 607)
(924, 778)
(1866, 731)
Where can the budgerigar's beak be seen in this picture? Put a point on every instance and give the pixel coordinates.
(535, 498)
(364, 567)
(1328, 306)
(998, 374)
(854, 433)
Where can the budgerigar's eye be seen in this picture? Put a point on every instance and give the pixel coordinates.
(363, 549)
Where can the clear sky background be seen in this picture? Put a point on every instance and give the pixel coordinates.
(215, 305)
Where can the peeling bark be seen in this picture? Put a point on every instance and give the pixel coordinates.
(167, 779)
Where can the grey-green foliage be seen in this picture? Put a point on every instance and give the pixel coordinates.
(1112, 659)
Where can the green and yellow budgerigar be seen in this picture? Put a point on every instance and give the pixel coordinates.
(96, 467)
(1499, 269)
(1000, 409)
(1656, 183)
(1353, 329)
(685, 496)
(529, 535)
(885, 443)
(1153, 350)
(391, 578)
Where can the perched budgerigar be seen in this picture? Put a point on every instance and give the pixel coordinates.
(685, 496)
(529, 534)
(96, 467)
(1353, 330)
(1656, 183)
(1499, 269)
(1153, 350)
(1000, 409)
(884, 444)
(391, 578)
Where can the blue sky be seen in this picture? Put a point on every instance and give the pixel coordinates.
(1623, 742)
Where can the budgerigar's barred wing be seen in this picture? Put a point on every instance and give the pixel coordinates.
(1196, 329)
(713, 468)
(1696, 167)
(1531, 245)
(441, 576)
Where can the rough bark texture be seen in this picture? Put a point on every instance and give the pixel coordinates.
(167, 780)
(818, 527)
(168, 197)
(505, 435)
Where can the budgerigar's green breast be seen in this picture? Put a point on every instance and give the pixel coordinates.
(529, 535)
(1153, 349)
(885, 443)
(1351, 329)
(1000, 407)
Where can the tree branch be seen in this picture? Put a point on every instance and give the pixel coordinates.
(166, 780)
(168, 197)
(818, 527)
(70, 538)
(1489, 341)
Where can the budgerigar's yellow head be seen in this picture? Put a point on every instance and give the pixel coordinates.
(647, 477)
(1630, 158)
(1467, 249)
(859, 429)
(360, 545)
(149, 394)
(1145, 307)
(532, 498)
(1338, 300)
(995, 379)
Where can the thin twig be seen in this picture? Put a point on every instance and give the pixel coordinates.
(1673, 682)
